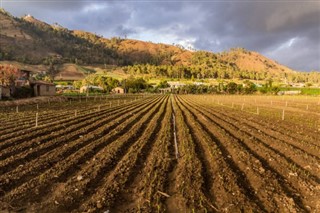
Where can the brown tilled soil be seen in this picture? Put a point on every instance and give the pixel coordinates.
(122, 158)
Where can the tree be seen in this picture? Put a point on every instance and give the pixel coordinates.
(249, 87)
(52, 71)
(8, 75)
(77, 84)
(163, 84)
(134, 84)
(231, 87)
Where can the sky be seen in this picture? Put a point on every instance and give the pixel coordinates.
(287, 31)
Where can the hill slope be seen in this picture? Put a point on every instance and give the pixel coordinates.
(32, 41)
(253, 61)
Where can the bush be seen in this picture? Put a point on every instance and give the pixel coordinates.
(23, 92)
(249, 87)
(231, 88)
(133, 85)
(163, 84)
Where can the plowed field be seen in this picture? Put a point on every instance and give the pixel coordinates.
(165, 153)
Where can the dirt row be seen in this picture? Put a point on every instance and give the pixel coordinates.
(298, 124)
(160, 154)
(82, 138)
(60, 167)
(37, 146)
(85, 123)
(49, 116)
(305, 151)
(9, 132)
(255, 154)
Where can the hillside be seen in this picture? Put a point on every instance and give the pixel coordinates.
(131, 51)
(253, 61)
(31, 41)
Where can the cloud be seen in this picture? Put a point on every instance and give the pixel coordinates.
(262, 26)
(297, 53)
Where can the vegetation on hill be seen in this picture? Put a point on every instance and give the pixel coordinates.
(41, 43)
(32, 41)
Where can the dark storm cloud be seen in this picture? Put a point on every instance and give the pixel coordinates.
(263, 26)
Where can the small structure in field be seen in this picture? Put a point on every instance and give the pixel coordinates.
(43, 88)
(118, 90)
(290, 92)
(165, 90)
(176, 84)
(197, 83)
(90, 88)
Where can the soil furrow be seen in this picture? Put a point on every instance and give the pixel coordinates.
(82, 143)
(130, 162)
(248, 144)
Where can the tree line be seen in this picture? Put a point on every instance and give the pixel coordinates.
(199, 72)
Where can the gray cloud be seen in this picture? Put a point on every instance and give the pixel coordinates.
(263, 26)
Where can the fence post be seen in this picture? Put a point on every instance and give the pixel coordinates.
(36, 119)
(242, 106)
(17, 108)
(283, 114)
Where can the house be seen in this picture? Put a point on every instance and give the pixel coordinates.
(118, 90)
(21, 79)
(175, 84)
(165, 90)
(90, 88)
(43, 88)
(298, 85)
(290, 92)
(198, 83)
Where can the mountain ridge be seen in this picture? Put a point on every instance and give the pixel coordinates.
(32, 41)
